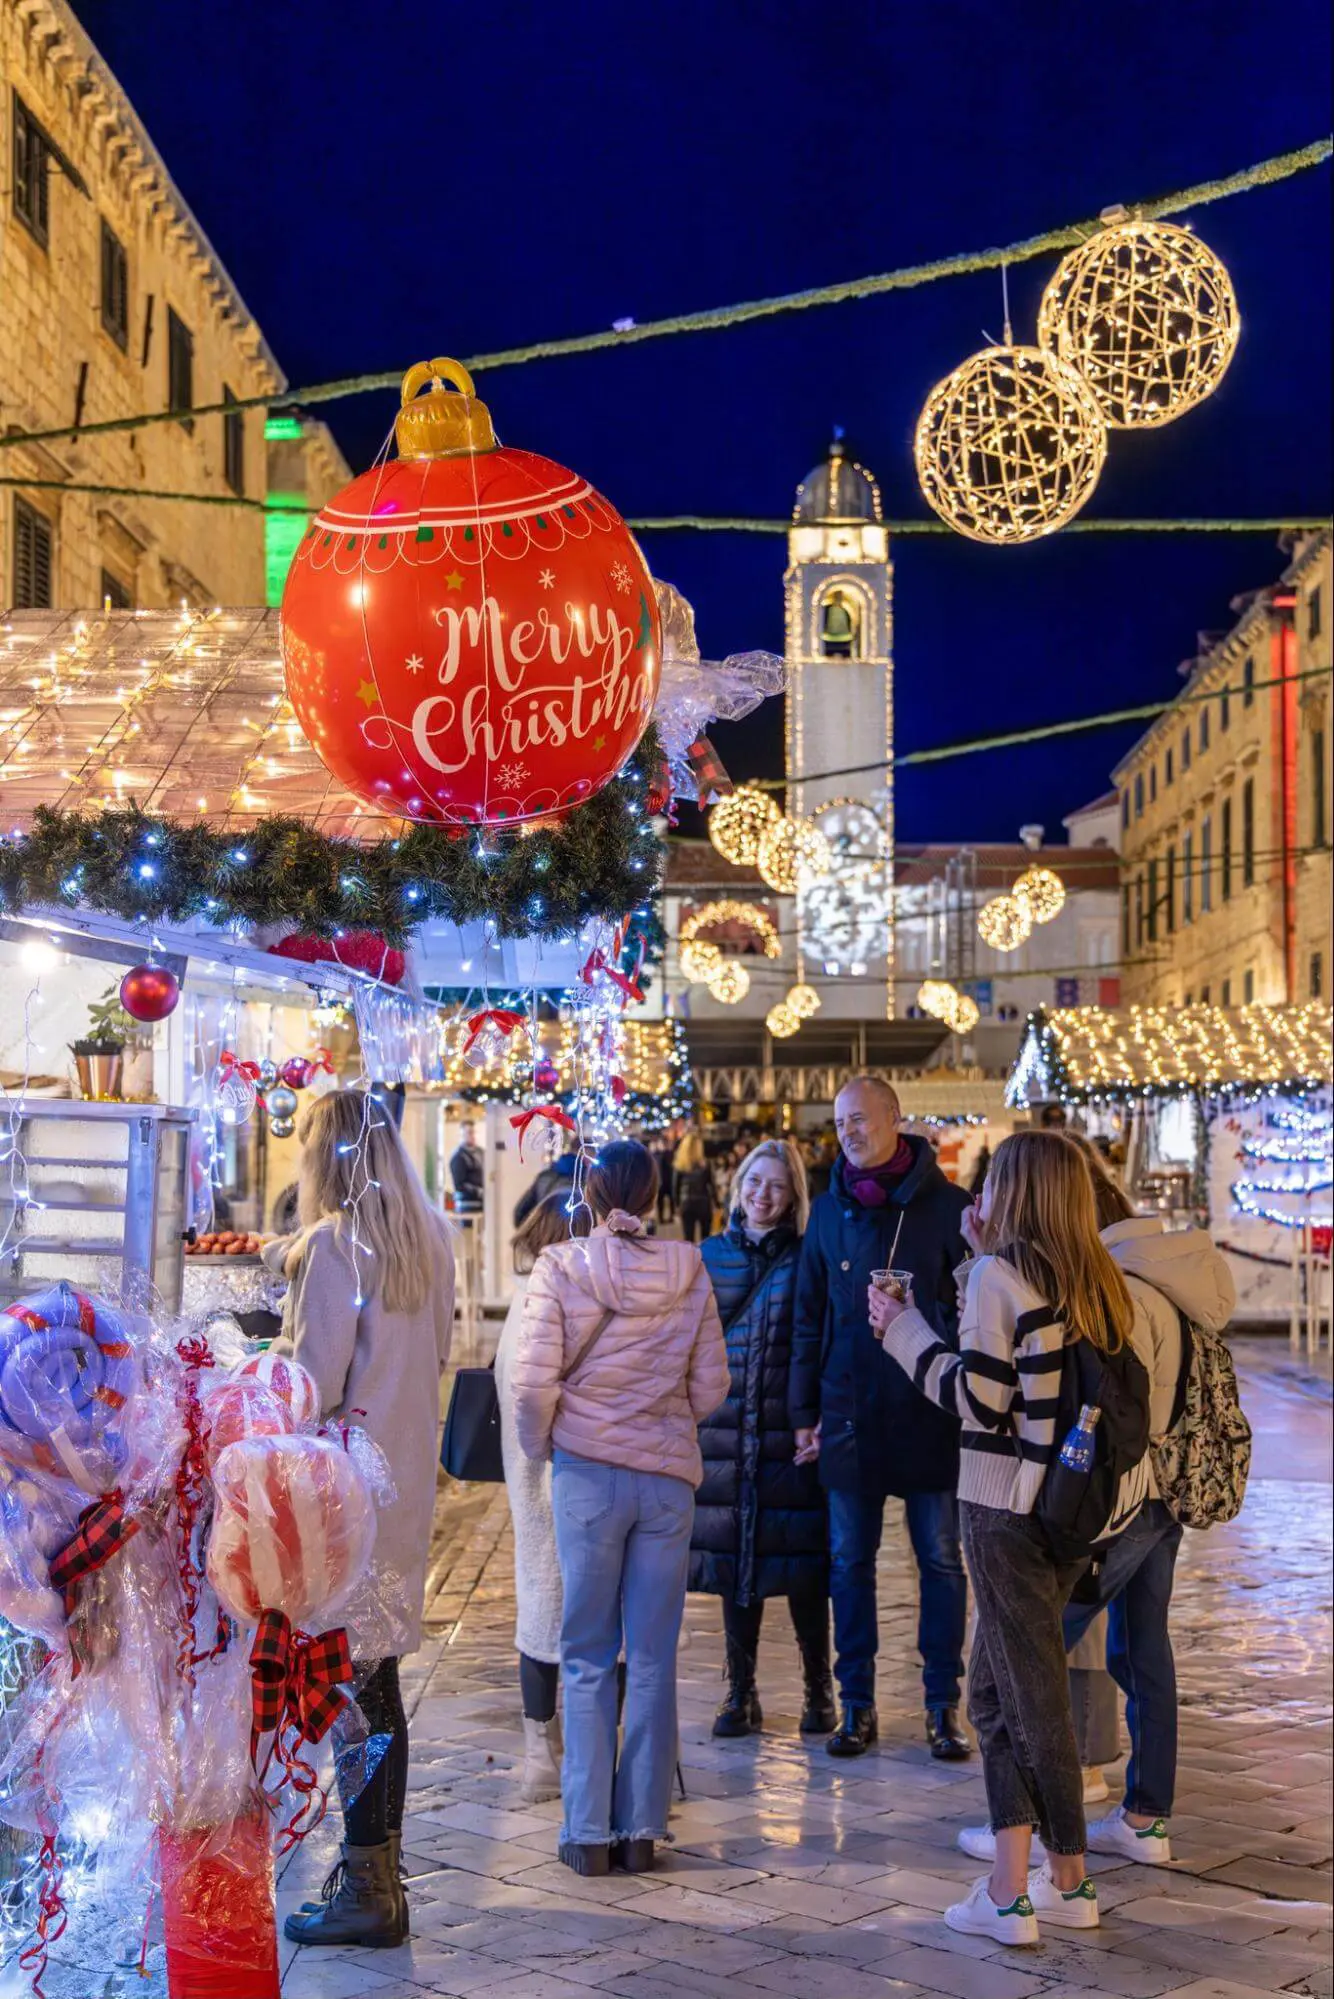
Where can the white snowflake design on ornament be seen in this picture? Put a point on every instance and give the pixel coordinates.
(414, 663)
(512, 776)
(622, 578)
(547, 578)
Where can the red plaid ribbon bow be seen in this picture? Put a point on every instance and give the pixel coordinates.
(103, 1529)
(523, 1119)
(500, 1016)
(296, 1678)
(706, 767)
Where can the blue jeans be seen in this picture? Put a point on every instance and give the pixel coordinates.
(1136, 1592)
(855, 1526)
(623, 1541)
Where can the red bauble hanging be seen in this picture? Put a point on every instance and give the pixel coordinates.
(149, 992)
(296, 1071)
(469, 632)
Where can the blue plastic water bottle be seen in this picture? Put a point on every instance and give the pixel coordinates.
(1077, 1450)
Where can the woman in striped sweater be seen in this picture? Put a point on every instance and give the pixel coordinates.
(1042, 1277)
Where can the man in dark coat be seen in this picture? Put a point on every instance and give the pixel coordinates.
(889, 1205)
(467, 1169)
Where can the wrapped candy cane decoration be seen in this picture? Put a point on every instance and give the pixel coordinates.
(293, 1385)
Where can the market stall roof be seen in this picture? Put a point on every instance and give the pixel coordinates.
(1090, 1054)
(182, 712)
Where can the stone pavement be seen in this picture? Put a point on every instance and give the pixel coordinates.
(792, 1874)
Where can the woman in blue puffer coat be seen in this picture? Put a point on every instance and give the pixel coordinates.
(760, 1526)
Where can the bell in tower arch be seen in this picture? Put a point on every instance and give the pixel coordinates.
(840, 627)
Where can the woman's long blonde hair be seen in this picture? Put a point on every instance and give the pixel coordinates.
(786, 1154)
(689, 1153)
(355, 1167)
(1044, 1224)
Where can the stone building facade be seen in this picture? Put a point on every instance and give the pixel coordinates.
(1310, 577)
(114, 302)
(1213, 824)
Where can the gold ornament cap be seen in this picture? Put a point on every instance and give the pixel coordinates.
(445, 422)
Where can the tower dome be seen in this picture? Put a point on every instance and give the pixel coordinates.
(838, 490)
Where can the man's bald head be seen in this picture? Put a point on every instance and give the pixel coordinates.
(867, 1115)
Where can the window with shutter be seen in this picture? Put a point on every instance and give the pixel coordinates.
(180, 367)
(31, 191)
(116, 596)
(115, 287)
(233, 444)
(34, 565)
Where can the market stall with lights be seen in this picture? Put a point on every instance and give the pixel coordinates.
(1225, 1115)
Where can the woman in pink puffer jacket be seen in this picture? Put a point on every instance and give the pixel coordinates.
(620, 1357)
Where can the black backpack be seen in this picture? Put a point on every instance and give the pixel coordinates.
(1081, 1512)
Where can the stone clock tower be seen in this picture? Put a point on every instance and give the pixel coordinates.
(840, 713)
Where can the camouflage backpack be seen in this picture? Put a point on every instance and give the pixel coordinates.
(1203, 1462)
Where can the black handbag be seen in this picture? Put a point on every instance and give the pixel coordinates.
(470, 1447)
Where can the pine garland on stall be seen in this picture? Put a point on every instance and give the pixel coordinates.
(602, 859)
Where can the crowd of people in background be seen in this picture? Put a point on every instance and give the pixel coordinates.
(719, 1365)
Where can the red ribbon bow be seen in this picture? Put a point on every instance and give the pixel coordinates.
(522, 1119)
(227, 1062)
(296, 1678)
(103, 1529)
(626, 982)
(321, 1059)
(503, 1018)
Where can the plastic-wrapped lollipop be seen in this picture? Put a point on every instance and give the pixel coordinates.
(293, 1528)
(31, 1530)
(289, 1381)
(69, 1373)
(233, 1410)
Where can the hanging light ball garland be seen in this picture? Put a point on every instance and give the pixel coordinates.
(1010, 445)
(1146, 313)
(469, 632)
(792, 852)
(149, 992)
(781, 1021)
(1004, 923)
(945, 1002)
(700, 960)
(730, 983)
(803, 1000)
(739, 822)
(1042, 893)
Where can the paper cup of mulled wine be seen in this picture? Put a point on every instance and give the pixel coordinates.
(894, 1283)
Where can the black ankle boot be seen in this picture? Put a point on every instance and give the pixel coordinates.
(819, 1714)
(948, 1742)
(859, 1728)
(363, 1904)
(740, 1713)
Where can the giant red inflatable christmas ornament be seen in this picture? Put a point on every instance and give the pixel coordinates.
(469, 632)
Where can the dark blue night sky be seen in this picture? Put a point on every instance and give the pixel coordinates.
(385, 184)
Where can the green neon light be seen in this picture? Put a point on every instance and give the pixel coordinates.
(282, 426)
(282, 532)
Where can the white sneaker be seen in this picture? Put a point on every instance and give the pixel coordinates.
(1115, 1834)
(1096, 1787)
(1068, 1909)
(979, 1916)
(541, 1762)
(978, 1842)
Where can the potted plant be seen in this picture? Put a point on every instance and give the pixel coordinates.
(99, 1055)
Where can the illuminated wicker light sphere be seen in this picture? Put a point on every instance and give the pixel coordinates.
(700, 960)
(781, 1021)
(1042, 893)
(793, 851)
(1147, 315)
(739, 822)
(1010, 446)
(1004, 923)
(939, 998)
(803, 1000)
(730, 983)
